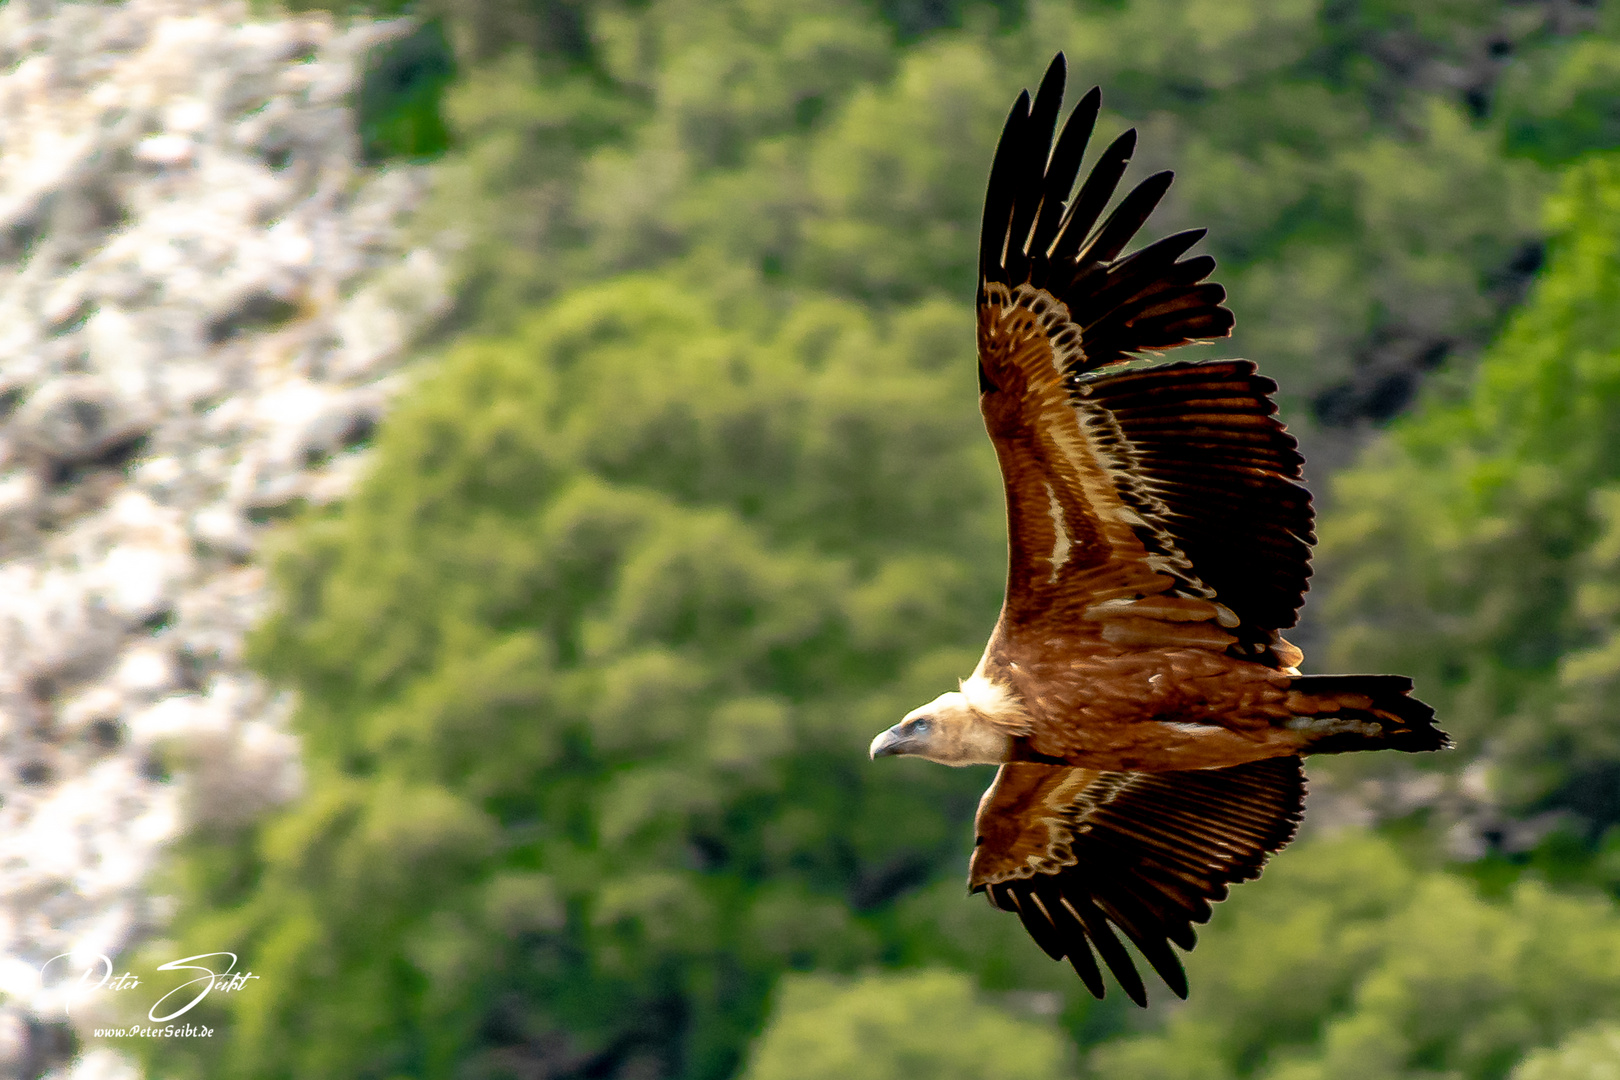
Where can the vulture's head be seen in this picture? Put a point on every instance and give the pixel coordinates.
(948, 730)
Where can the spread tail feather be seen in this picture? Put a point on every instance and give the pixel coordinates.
(1362, 712)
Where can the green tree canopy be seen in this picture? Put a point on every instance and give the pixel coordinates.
(1351, 160)
(1346, 963)
(1590, 1054)
(1478, 546)
(897, 1027)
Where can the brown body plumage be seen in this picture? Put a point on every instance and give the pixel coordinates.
(1147, 714)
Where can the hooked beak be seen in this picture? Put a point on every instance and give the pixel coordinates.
(889, 743)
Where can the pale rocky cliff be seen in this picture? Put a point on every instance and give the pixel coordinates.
(204, 300)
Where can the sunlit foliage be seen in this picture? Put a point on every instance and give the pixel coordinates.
(896, 1027)
(1478, 546)
(1592, 1054)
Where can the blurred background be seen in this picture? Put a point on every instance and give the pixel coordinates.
(475, 475)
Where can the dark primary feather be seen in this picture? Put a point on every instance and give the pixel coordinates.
(1129, 216)
(998, 195)
(1035, 145)
(1065, 162)
(1087, 206)
(1033, 232)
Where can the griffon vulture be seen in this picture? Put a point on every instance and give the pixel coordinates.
(1147, 717)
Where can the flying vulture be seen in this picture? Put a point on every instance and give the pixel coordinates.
(1147, 716)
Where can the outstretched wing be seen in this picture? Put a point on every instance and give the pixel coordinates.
(1077, 853)
(1176, 483)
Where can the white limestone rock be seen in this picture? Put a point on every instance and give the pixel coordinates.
(204, 301)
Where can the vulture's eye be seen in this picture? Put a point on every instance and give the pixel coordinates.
(920, 725)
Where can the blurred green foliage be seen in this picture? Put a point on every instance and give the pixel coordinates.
(398, 108)
(1346, 963)
(693, 499)
(1592, 1054)
(1369, 171)
(1370, 214)
(929, 1023)
(1564, 101)
(1478, 547)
